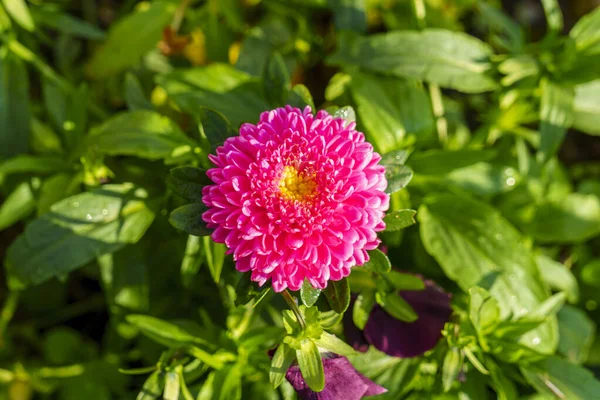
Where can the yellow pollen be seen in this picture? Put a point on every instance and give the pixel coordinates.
(296, 186)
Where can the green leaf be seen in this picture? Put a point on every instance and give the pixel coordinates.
(140, 133)
(77, 230)
(398, 176)
(300, 97)
(215, 127)
(235, 94)
(398, 220)
(153, 387)
(450, 59)
(188, 182)
(19, 204)
(27, 164)
(554, 15)
(349, 15)
(451, 367)
(402, 281)
(484, 179)
(586, 33)
(396, 306)
(282, 360)
(166, 333)
(572, 219)
(192, 259)
(309, 294)
(590, 273)
(477, 247)
(558, 276)
(362, 309)
(442, 162)
(247, 290)
(130, 38)
(14, 106)
(346, 113)
(483, 310)
(338, 295)
(276, 81)
(393, 110)
(378, 262)
(504, 24)
(335, 345)
(557, 377)
(556, 116)
(586, 107)
(19, 11)
(231, 387)
(577, 332)
(171, 391)
(134, 94)
(215, 257)
(311, 365)
(66, 23)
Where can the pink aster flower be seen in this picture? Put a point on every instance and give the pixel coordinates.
(296, 197)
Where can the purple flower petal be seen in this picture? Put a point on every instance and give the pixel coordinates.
(342, 381)
(403, 339)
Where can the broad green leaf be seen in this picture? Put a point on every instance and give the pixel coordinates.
(55, 188)
(134, 94)
(130, 38)
(572, 219)
(282, 360)
(311, 365)
(43, 139)
(309, 294)
(477, 247)
(450, 59)
(396, 306)
(349, 15)
(586, 107)
(338, 295)
(397, 220)
(554, 15)
(586, 33)
(558, 276)
(484, 179)
(378, 262)
(14, 106)
(394, 111)
(276, 81)
(555, 376)
(77, 230)
(362, 309)
(442, 162)
(577, 332)
(335, 345)
(19, 11)
(300, 97)
(27, 164)
(153, 387)
(188, 182)
(235, 94)
(19, 204)
(67, 23)
(214, 126)
(556, 116)
(140, 133)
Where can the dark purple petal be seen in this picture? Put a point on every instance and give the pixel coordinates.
(402, 339)
(342, 381)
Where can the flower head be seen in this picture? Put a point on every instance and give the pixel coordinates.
(342, 381)
(404, 339)
(296, 196)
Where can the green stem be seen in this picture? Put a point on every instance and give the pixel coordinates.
(179, 14)
(8, 310)
(292, 303)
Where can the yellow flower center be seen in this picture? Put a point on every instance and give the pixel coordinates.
(294, 185)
